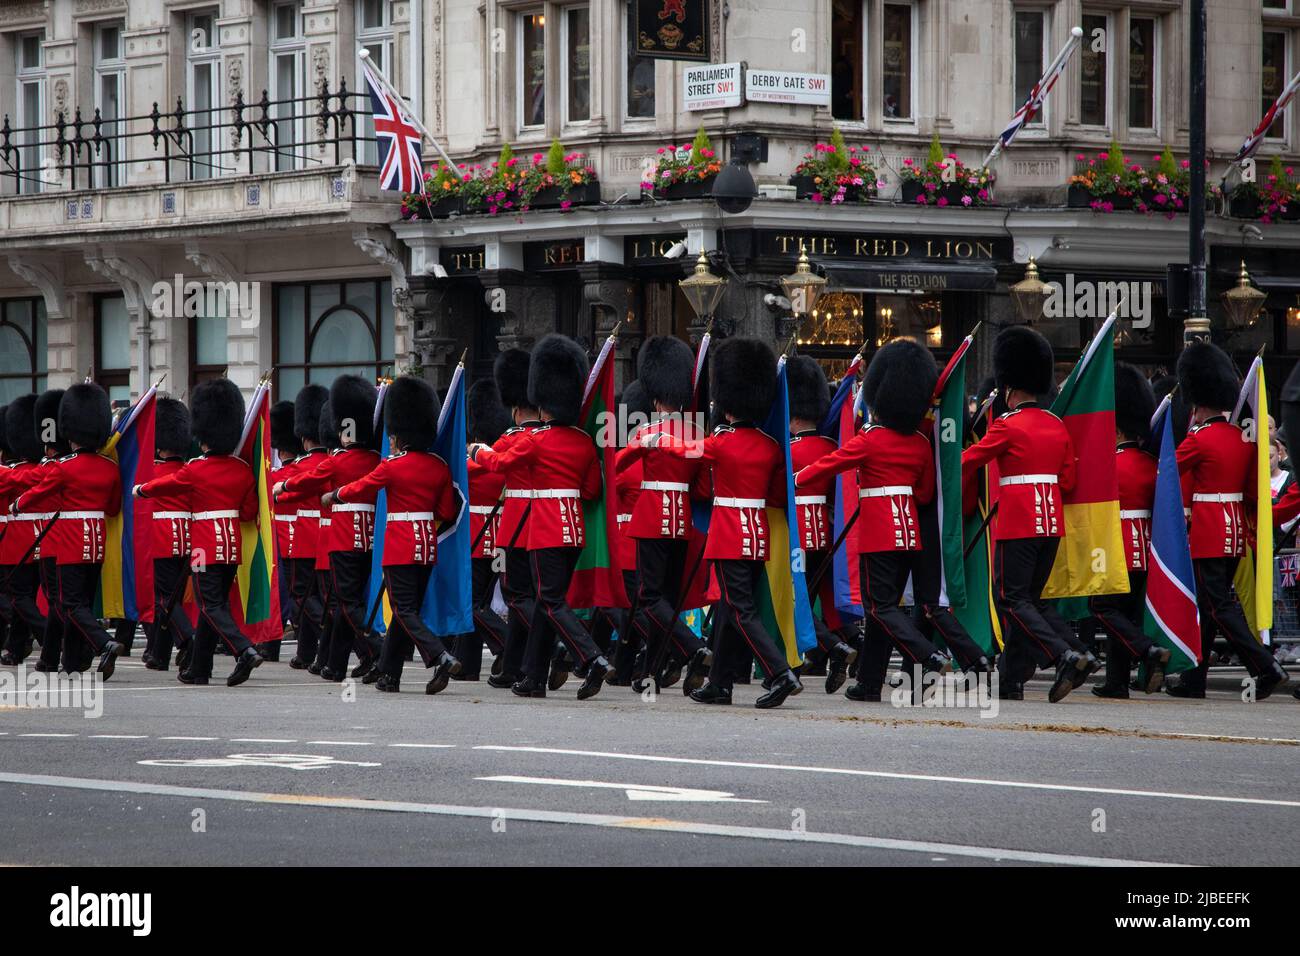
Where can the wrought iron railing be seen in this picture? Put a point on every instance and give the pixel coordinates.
(266, 135)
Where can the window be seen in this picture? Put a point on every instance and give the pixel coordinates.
(375, 35)
(1029, 59)
(577, 64)
(1142, 73)
(22, 347)
(113, 346)
(1273, 77)
(110, 101)
(327, 329)
(847, 59)
(1094, 85)
(288, 85)
(532, 70)
(208, 337)
(898, 55)
(640, 93)
(203, 76)
(30, 63)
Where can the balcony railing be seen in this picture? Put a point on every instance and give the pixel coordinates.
(242, 138)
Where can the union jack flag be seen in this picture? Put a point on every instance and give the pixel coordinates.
(1254, 139)
(1034, 102)
(399, 139)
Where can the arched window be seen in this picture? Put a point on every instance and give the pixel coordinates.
(327, 329)
(22, 347)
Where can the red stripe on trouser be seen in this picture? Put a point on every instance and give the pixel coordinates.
(1019, 621)
(555, 622)
(863, 568)
(735, 617)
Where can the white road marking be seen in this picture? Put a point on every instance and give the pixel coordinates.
(634, 791)
(288, 761)
(263, 740)
(427, 746)
(657, 824)
(342, 743)
(49, 735)
(895, 775)
(189, 738)
(1264, 740)
(119, 736)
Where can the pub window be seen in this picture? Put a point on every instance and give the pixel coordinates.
(898, 29)
(847, 59)
(203, 87)
(288, 66)
(1274, 74)
(532, 69)
(22, 347)
(1143, 71)
(640, 79)
(576, 73)
(110, 100)
(113, 346)
(327, 329)
(208, 336)
(375, 35)
(1094, 68)
(1029, 60)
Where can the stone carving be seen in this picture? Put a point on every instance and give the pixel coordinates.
(59, 99)
(22, 12)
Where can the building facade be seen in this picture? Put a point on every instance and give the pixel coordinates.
(155, 149)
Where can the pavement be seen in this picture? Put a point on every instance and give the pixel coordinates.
(290, 770)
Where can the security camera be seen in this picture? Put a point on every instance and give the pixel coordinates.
(1250, 231)
(676, 250)
(439, 270)
(1060, 242)
(776, 301)
(733, 188)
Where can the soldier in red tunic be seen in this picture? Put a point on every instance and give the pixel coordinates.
(352, 523)
(895, 474)
(1036, 464)
(17, 565)
(88, 487)
(1120, 615)
(55, 651)
(660, 523)
(1217, 467)
(170, 541)
(419, 494)
(306, 586)
(563, 471)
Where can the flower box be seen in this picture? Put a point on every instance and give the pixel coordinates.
(1078, 197)
(554, 197)
(804, 186)
(1243, 206)
(689, 189)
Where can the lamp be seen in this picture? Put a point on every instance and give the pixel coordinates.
(1243, 301)
(803, 287)
(1029, 295)
(703, 290)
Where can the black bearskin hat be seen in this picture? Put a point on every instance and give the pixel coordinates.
(217, 415)
(743, 378)
(635, 400)
(1207, 377)
(1023, 359)
(510, 372)
(307, 411)
(45, 416)
(557, 374)
(171, 428)
(411, 412)
(19, 433)
(665, 367)
(85, 416)
(326, 433)
(1135, 402)
(486, 419)
(810, 397)
(352, 403)
(282, 436)
(899, 384)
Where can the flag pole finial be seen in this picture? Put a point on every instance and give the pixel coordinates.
(613, 333)
(162, 378)
(463, 355)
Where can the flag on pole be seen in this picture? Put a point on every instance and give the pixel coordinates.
(376, 591)
(1254, 578)
(1252, 142)
(1092, 558)
(1033, 104)
(399, 138)
(841, 424)
(255, 595)
(1171, 618)
(126, 582)
(948, 421)
(448, 600)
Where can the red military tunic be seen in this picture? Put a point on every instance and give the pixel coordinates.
(485, 489)
(1285, 509)
(1136, 471)
(895, 474)
(816, 525)
(1217, 467)
(564, 471)
(518, 490)
(1036, 465)
(627, 487)
(219, 494)
(170, 523)
(20, 529)
(88, 487)
(285, 510)
(419, 496)
(663, 507)
(351, 524)
(308, 517)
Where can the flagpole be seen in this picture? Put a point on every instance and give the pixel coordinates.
(401, 100)
(1076, 38)
(1251, 143)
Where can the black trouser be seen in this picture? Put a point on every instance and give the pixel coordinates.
(350, 574)
(1221, 610)
(307, 607)
(517, 587)
(406, 585)
(927, 587)
(76, 654)
(25, 618)
(171, 625)
(329, 611)
(487, 626)
(124, 631)
(1035, 634)
(661, 563)
(884, 575)
(1120, 616)
(739, 630)
(78, 584)
(212, 592)
(552, 573)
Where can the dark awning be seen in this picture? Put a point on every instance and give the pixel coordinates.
(907, 277)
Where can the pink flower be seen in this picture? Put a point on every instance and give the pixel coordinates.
(1103, 156)
(943, 201)
(566, 203)
(907, 161)
(1186, 164)
(921, 199)
(816, 197)
(983, 194)
(966, 200)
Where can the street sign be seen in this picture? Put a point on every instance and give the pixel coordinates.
(714, 86)
(776, 86)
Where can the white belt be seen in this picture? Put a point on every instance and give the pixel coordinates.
(1134, 515)
(307, 513)
(812, 499)
(324, 522)
(344, 506)
(556, 493)
(410, 516)
(277, 517)
(482, 509)
(665, 486)
(28, 516)
(84, 515)
(214, 515)
(1219, 498)
(623, 519)
(887, 491)
(1027, 480)
(740, 502)
(176, 515)
(518, 493)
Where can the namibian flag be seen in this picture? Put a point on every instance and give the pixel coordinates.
(1092, 558)
(1171, 618)
(126, 583)
(841, 424)
(255, 595)
(1253, 581)
(597, 579)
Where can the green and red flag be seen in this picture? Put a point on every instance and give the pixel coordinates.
(948, 420)
(255, 595)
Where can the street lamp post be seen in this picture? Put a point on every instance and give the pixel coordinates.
(703, 290)
(1196, 327)
(803, 288)
(1029, 295)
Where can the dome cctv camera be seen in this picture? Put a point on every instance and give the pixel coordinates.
(734, 189)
